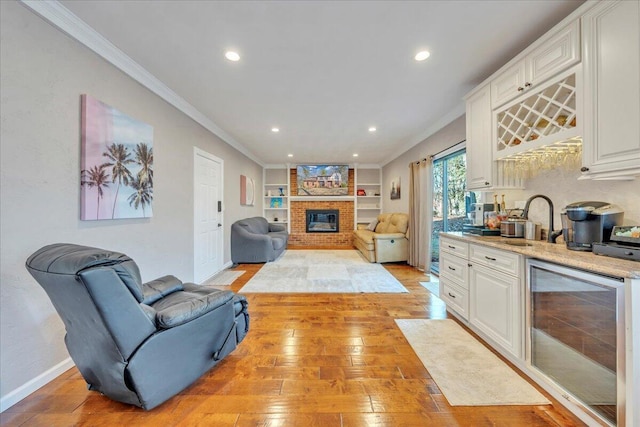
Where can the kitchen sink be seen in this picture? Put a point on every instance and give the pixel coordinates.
(516, 243)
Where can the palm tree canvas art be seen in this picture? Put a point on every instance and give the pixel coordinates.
(116, 177)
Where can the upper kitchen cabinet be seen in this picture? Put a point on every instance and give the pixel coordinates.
(554, 53)
(479, 161)
(611, 144)
(540, 118)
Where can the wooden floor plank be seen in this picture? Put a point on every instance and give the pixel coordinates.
(308, 360)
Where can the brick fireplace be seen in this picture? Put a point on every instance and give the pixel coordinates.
(299, 236)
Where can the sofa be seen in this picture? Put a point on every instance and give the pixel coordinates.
(137, 343)
(386, 239)
(255, 240)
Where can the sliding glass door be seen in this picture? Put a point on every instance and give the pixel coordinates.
(449, 202)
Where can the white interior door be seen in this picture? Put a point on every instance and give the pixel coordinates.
(208, 230)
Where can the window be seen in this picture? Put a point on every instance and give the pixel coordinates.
(449, 201)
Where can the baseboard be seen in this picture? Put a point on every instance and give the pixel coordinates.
(34, 384)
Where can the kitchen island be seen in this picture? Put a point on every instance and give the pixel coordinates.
(484, 280)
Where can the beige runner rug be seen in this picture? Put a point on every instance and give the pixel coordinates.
(224, 278)
(467, 373)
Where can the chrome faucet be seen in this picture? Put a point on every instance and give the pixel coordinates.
(551, 235)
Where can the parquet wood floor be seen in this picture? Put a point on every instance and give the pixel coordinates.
(309, 360)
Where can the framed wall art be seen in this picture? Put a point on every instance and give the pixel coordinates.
(116, 164)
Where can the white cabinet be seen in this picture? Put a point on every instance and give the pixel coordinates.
(553, 54)
(368, 198)
(478, 146)
(611, 144)
(495, 297)
(483, 286)
(275, 195)
(454, 276)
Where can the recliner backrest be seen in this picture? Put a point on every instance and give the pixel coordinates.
(392, 223)
(92, 288)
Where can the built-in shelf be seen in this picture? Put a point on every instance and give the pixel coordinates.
(369, 179)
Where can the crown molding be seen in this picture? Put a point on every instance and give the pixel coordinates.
(62, 18)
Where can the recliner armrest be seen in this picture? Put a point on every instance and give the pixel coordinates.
(182, 307)
(388, 236)
(159, 288)
(277, 227)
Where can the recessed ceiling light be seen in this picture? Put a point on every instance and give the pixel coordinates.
(232, 56)
(289, 155)
(421, 56)
(355, 154)
(275, 129)
(372, 129)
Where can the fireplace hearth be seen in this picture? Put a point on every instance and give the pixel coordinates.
(323, 220)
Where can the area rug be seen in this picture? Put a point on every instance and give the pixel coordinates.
(322, 271)
(467, 373)
(224, 278)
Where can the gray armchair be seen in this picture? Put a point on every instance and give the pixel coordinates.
(136, 343)
(255, 240)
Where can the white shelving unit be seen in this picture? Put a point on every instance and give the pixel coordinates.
(369, 206)
(275, 195)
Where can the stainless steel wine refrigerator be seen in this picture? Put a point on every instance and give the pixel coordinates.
(576, 337)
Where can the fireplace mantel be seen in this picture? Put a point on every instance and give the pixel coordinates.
(322, 198)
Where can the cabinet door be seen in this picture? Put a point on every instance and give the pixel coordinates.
(509, 84)
(494, 307)
(611, 145)
(555, 55)
(479, 149)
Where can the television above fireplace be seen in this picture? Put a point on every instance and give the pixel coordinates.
(322, 180)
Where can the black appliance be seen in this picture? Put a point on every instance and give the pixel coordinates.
(586, 223)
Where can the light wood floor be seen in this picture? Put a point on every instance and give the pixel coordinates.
(308, 360)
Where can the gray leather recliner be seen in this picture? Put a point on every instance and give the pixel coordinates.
(136, 343)
(254, 240)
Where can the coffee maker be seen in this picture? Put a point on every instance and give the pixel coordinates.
(585, 223)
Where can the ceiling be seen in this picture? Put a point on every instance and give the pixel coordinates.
(323, 72)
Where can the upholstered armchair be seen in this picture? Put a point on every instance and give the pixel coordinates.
(136, 343)
(254, 240)
(386, 239)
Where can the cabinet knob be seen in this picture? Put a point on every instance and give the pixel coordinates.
(520, 89)
(584, 169)
(527, 84)
(487, 183)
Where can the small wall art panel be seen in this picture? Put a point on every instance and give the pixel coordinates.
(247, 191)
(395, 188)
(116, 164)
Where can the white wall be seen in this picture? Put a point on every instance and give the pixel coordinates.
(563, 187)
(446, 137)
(43, 73)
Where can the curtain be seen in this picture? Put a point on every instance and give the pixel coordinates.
(420, 212)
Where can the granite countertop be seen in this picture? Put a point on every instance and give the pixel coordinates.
(556, 253)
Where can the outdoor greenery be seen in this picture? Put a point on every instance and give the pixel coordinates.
(456, 184)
